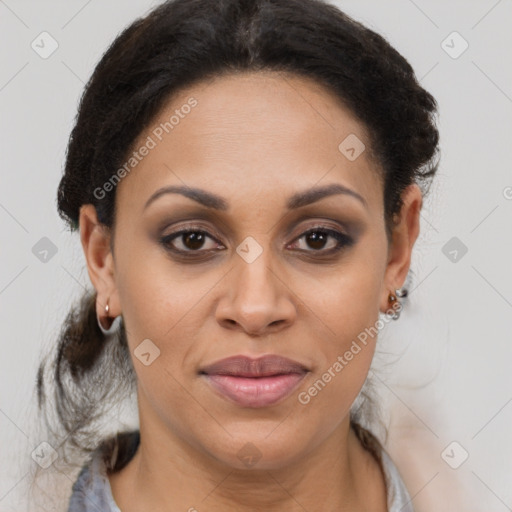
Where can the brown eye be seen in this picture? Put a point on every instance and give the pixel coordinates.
(189, 240)
(317, 239)
(193, 240)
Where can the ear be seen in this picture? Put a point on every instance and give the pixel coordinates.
(404, 235)
(95, 238)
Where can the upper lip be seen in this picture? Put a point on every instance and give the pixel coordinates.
(243, 366)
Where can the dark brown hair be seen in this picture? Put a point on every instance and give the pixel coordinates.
(182, 42)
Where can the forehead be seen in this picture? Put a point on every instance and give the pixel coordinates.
(250, 132)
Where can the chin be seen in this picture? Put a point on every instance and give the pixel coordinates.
(257, 450)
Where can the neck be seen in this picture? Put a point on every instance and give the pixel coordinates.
(168, 472)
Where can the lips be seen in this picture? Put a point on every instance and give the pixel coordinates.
(254, 382)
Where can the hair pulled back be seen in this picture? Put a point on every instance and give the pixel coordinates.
(182, 42)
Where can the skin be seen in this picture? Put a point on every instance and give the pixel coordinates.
(254, 139)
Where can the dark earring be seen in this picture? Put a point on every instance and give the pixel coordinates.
(394, 302)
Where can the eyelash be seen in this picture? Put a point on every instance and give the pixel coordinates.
(342, 239)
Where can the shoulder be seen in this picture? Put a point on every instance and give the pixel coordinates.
(399, 499)
(91, 491)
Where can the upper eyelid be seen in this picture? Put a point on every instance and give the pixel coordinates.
(350, 223)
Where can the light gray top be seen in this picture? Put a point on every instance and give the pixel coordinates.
(92, 492)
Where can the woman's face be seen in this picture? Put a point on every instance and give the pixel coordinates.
(249, 280)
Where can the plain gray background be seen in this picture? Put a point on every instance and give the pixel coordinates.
(448, 391)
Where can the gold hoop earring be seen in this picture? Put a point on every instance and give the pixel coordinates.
(111, 329)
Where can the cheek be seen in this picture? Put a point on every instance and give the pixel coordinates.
(331, 390)
(152, 294)
(345, 304)
(346, 300)
(162, 314)
(159, 304)
(348, 323)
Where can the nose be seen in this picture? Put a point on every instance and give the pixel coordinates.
(257, 300)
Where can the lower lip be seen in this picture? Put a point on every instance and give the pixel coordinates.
(255, 392)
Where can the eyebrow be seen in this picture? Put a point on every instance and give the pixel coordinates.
(216, 202)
